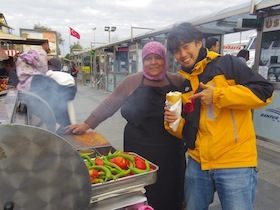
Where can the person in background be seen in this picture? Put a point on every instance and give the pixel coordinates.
(32, 68)
(141, 97)
(10, 71)
(243, 55)
(65, 67)
(213, 44)
(4, 75)
(62, 78)
(217, 122)
(74, 71)
(56, 73)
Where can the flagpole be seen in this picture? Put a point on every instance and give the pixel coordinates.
(69, 40)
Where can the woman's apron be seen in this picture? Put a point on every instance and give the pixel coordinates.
(145, 135)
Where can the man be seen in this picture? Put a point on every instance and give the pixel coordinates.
(217, 122)
(10, 71)
(213, 44)
(55, 64)
(243, 55)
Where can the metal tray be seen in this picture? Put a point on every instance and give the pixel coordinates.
(97, 151)
(124, 185)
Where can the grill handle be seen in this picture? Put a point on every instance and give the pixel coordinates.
(9, 205)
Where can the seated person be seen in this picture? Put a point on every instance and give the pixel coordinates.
(9, 71)
(32, 68)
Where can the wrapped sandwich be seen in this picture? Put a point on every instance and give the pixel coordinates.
(174, 101)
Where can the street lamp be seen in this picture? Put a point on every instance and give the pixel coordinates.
(110, 29)
(94, 34)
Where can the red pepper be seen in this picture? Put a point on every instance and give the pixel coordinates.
(99, 161)
(93, 173)
(120, 161)
(140, 164)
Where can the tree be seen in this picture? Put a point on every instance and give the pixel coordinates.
(44, 28)
(75, 46)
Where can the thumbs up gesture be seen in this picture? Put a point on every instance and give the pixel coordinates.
(206, 95)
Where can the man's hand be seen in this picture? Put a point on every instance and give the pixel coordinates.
(206, 95)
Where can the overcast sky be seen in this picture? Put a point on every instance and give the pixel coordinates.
(84, 15)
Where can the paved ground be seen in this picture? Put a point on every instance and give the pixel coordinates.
(268, 191)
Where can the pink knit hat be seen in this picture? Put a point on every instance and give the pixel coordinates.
(158, 49)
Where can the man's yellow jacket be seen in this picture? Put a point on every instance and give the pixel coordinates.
(225, 136)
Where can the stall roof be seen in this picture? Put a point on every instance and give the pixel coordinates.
(226, 20)
(267, 4)
(222, 22)
(13, 39)
(6, 36)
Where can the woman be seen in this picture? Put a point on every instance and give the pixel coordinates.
(32, 68)
(74, 71)
(141, 97)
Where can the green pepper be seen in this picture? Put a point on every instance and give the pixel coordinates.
(86, 157)
(108, 173)
(113, 165)
(113, 170)
(125, 156)
(122, 174)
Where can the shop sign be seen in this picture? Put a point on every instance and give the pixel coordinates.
(232, 47)
(86, 69)
(122, 49)
(267, 119)
(271, 23)
(249, 23)
(51, 36)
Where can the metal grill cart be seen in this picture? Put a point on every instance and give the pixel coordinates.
(42, 170)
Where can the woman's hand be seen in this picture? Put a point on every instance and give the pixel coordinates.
(77, 128)
(169, 116)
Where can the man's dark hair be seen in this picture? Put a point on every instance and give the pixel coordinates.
(55, 63)
(211, 42)
(182, 33)
(243, 53)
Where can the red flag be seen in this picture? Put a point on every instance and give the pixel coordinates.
(74, 33)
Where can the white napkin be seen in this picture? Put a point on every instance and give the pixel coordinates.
(177, 108)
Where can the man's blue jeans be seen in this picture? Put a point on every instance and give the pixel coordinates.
(236, 187)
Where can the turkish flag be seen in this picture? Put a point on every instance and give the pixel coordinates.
(74, 33)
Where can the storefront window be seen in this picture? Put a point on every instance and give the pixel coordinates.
(270, 54)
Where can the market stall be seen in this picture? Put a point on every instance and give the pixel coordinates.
(8, 40)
